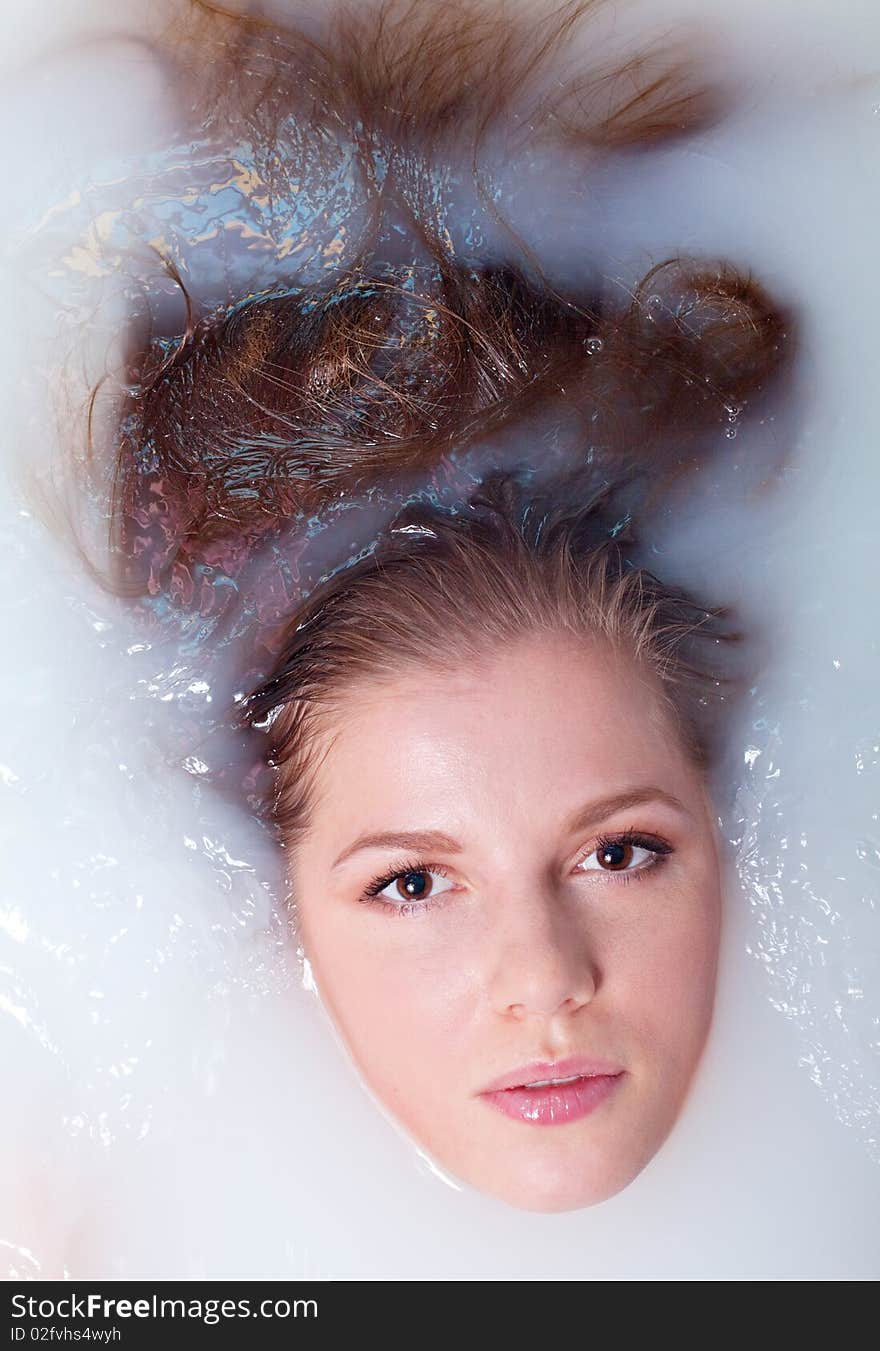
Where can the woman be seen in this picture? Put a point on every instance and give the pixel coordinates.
(486, 721)
(481, 736)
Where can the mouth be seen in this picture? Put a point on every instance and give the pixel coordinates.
(551, 1083)
(556, 1102)
(552, 1094)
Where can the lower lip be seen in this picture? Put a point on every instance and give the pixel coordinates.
(553, 1106)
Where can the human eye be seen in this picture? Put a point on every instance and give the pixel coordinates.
(411, 886)
(620, 854)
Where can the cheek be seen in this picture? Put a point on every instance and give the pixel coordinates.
(670, 974)
(401, 1003)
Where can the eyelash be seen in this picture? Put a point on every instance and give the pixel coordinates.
(659, 848)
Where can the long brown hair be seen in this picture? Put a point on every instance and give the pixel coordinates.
(291, 397)
(267, 411)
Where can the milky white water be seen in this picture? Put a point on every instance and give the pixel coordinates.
(177, 1104)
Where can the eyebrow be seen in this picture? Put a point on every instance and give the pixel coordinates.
(591, 814)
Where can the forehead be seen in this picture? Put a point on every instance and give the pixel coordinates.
(533, 727)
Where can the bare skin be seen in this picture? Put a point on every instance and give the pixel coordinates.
(528, 946)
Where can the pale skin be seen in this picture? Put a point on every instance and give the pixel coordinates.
(528, 947)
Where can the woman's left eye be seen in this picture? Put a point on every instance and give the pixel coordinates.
(625, 854)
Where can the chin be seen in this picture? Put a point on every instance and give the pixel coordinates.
(549, 1192)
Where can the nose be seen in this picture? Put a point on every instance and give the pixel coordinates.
(542, 959)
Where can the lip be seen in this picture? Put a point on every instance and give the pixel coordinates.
(554, 1105)
(553, 1069)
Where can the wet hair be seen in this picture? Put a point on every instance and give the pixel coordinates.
(286, 404)
(412, 353)
(443, 591)
(295, 396)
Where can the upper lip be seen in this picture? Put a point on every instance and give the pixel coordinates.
(552, 1069)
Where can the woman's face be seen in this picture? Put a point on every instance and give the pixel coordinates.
(472, 914)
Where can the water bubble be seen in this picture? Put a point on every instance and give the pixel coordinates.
(653, 306)
(594, 345)
(730, 432)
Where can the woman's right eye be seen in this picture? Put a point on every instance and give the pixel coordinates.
(409, 884)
